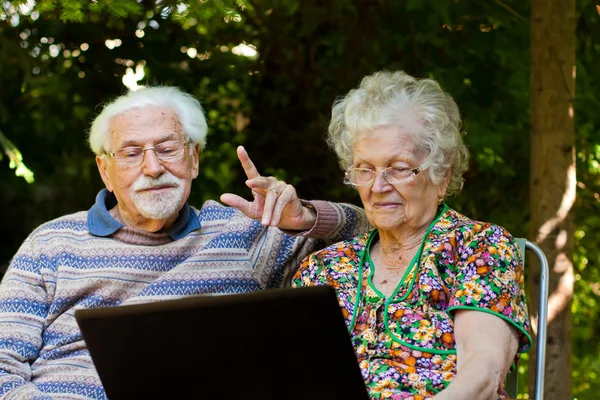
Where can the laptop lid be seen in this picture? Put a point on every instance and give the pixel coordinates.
(274, 344)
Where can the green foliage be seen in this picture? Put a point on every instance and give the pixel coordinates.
(84, 10)
(61, 58)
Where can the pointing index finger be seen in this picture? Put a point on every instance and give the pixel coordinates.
(247, 164)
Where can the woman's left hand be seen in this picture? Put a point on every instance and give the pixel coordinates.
(275, 202)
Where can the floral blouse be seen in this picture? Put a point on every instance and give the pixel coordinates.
(405, 343)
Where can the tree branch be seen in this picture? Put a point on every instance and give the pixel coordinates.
(510, 10)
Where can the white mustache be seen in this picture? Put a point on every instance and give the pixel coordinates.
(147, 182)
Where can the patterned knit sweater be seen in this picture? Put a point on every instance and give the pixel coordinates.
(65, 265)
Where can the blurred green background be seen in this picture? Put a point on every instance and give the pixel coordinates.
(267, 73)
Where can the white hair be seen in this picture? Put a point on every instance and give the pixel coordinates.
(187, 108)
(386, 98)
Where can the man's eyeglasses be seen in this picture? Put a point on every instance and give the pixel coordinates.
(165, 151)
(393, 175)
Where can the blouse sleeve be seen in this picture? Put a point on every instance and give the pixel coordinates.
(489, 278)
(310, 272)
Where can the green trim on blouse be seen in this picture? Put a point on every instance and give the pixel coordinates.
(504, 317)
(413, 264)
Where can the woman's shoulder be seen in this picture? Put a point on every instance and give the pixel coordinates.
(457, 224)
(468, 236)
(332, 262)
(350, 248)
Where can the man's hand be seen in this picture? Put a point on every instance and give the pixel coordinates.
(275, 202)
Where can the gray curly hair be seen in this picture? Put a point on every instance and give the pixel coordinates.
(384, 98)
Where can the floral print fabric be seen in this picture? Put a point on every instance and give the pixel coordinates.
(405, 343)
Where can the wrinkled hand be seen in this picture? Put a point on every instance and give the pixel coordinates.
(275, 202)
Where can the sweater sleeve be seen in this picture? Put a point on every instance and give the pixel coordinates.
(23, 311)
(335, 221)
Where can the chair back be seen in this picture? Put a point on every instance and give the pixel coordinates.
(511, 381)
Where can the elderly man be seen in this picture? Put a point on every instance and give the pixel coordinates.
(142, 242)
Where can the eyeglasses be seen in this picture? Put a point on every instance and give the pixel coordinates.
(393, 175)
(165, 151)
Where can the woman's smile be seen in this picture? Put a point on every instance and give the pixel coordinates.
(386, 205)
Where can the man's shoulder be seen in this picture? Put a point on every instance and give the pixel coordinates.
(214, 208)
(76, 222)
(214, 211)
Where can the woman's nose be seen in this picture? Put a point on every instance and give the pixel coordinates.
(380, 184)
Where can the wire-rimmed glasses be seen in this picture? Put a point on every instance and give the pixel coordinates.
(393, 175)
(165, 151)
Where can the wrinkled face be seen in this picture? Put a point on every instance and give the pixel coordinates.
(154, 189)
(408, 205)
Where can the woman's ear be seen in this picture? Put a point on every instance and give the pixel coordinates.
(443, 186)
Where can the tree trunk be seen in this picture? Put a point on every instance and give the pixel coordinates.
(553, 180)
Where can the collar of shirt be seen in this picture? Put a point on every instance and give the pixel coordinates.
(101, 223)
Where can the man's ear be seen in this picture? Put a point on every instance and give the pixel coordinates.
(103, 165)
(195, 161)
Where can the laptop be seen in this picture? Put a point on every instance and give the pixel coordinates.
(283, 344)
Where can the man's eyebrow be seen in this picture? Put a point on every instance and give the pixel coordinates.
(135, 143)
(129, 143)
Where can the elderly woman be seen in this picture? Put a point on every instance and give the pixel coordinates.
(433, 300)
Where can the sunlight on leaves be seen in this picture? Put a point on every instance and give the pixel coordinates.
(245, 50)
(131, 78)
(16, 159)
